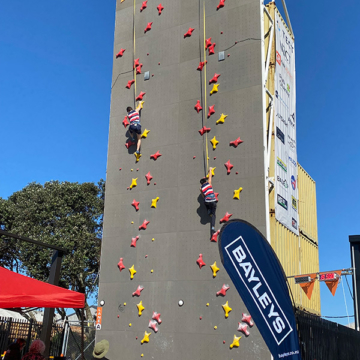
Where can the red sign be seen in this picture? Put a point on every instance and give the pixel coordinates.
(98, 318)
(278, 58)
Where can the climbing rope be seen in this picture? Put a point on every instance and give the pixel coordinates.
(134, 55)
(205, 93)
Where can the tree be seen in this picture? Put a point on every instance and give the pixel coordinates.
(66, 214)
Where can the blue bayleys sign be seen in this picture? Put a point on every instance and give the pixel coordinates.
(259, 278)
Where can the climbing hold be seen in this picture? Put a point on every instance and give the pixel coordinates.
(214, 157)
(200, 317)
(214, 142)
(134, 240)
(215, 327)
(132, 170)
(125, 304)
(213, 174)
(143, 6)
(132, 221)
(138, 69)
(153, 325)
(247, 318)
(216, 196)
(121, 265)
(141, 104)
(148, 27)
(133, 183)
(207, 304)
(236, 342)
(130, 324)
(130, 143)
(148, 178)
(221, 119)
(120, 53)
(125, 122)
(142, 355)
(153, 239)
(223, 290)
(156, 316)
(140, 96)
(200, 261)
(228, 166)
(154, 183)
(215, 236)
(211, 110)
(221, 4)
(118, 316)
(226, 218)
(140, 307)
(214, 269)
(160, 8)
(130, 82)
(201, 65)
(215, 89)
(237, 193)
(207, 43)
(135, 204)
(243, 328)
(144, 225)
(145, 133)
(152, 271)
(154, 202)
(223, 341)
(139, 289)
(146, 256)
(138, 156)
(211, 49)
(221, 32)
(227, 309)
(198, 107)
(155, 156)
(236, 142)
(136, 63)
(146, 337)
(214, 78)
(158, 63)
(194, 157)
(189, 32)
(137, 169)
(203, 130)
(236, 173)
(132, 273)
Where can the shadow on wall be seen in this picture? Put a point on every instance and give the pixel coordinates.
(202, 211)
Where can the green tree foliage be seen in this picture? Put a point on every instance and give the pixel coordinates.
(69, 215)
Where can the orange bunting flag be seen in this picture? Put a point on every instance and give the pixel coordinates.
(308, 286)
(333, 283)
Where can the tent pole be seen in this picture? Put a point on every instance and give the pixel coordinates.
(82, 334)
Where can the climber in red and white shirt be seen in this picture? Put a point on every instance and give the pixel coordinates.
(208, 194)
(135, 126)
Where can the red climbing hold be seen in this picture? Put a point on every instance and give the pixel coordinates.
(228, 166)
(200, 261)
(198, 107)
(223, 290)
(247, 318)
(194, 157)
(215, 78)
(144, 5)
(140, 96)
(243, 328)
(130, 143)
(138, 69)
(136, 63)
(160, 8)
(130, 82)
(148, 178)
(120, 53)
(215, 236)
(125, 122)
(203, 130)
(139, 289)
(211, 110)
(211, 49)
(207, 43)
(121, 264)
(189, 32)
(216, 196)
(201, 65)
(148, 27)
(221, 4)
(155, 156)
(144, 225)
(236, 142)
(153, 325)
(226, 218)
(156, 316)
(135, 204)
(134, 240)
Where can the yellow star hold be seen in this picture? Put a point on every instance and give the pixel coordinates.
(154, 201)
(214, 89)
(132, 272)
(145, 133)
(236, 342)
(133, 183)
(214, 269)
(140, 307)
(214, 142)
(222, 119)
(212, 172)
(227, 309)
(146, 337)
(141, 103)
(138, 156)
(237, 193)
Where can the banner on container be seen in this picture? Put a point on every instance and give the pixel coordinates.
(259, 279)
(286, 171)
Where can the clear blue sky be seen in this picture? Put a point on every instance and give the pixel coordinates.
(56, 66)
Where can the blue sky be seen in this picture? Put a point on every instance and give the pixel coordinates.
(56, 67)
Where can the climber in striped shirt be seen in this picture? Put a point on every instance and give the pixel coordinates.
(135, 126)
(208, 194)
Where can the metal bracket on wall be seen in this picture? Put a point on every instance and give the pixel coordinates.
(146, 75)
(221, 55)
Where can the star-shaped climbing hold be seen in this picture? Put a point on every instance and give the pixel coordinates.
(136, 63)
(156, 316)
(236, 342)
(134, 240)
(120, 53)
(153, 325)
(155, 156)
(212, 49)
(148, 178)
(211, 110)
(160, 9)
(237, 193)
(189, 32)
(214, 78)
(228, 166)
(213, 174)
(138, 156)
(236, 142)
(247, 318)
(203, 130)
(214, 142)
(145, 133)
(223, 290)
(138, 69)
(144, 225)
(226, 218)
(221, 4)
(130, 82)
(143, 5)
(148, 27)
(121, 265)
(243, 328)
(216, 196)
(137, 292)
(200, 261)
(125, 122)
(201, 65)
(129, 143)
(140, 96)
(227, 309)
(140, 307)
(132, 272)
(215, 236)
(146, 337)
(198, 107)
(207, 43)
(214, 269)
(135, 204)
(221, 119)
(215, 89)
(154, 202)
(133, 183)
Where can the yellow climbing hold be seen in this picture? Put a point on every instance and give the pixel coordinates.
(207, 304)
(145, 133)
(154, 201)
(132, 169)
(237, 193)
(141, 104)
(153, 239)
(214, 89)
(142, 355)
(227, 309)
(222, 119)
(124, 304)
(236, 342)
(138, 156)
(152, 270)
(133, 183)
(214, 269)
(132, 272)
(146, 337)
(215, 327)
(214, 142)
(140, 307)
(132, 222)
(130, 324)
(212, 172)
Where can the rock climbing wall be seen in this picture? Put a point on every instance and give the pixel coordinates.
(166, 293)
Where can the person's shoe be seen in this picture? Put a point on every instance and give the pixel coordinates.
(212, 230)
(137, 152)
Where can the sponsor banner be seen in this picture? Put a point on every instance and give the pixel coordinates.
(260, 281)
(286, 171)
